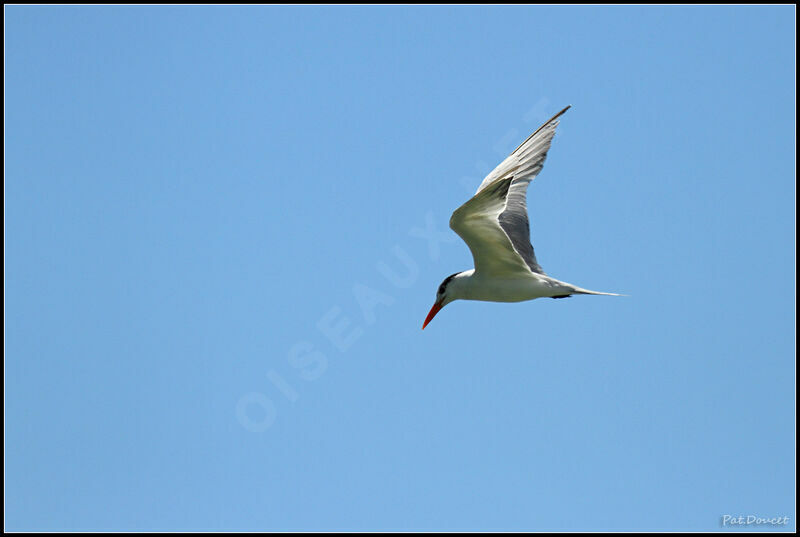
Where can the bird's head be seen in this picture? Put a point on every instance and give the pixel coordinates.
(444, 295)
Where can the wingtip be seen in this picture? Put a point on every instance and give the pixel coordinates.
(546, 123)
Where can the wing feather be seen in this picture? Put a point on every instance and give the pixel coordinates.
(494, 222)
(476, 222)
(528, 158)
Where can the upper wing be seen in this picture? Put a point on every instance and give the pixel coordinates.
(477, 222)
(494, 222)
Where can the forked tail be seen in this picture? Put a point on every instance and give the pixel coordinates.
(579, 291)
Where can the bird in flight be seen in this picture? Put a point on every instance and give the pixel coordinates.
(494, 224)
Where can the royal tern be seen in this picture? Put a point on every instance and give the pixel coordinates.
(494, 224)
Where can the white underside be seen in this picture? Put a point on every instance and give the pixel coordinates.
(513, 288)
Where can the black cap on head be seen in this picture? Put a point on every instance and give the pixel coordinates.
(443, 286)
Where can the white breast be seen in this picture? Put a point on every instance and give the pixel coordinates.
(514, 289)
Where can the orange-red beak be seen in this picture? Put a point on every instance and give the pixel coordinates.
(434, 310)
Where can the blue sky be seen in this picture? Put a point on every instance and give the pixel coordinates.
(225, 226)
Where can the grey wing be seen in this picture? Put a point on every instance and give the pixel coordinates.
(521, 167)
(514, 221)
(527, 159)
(477, 222)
